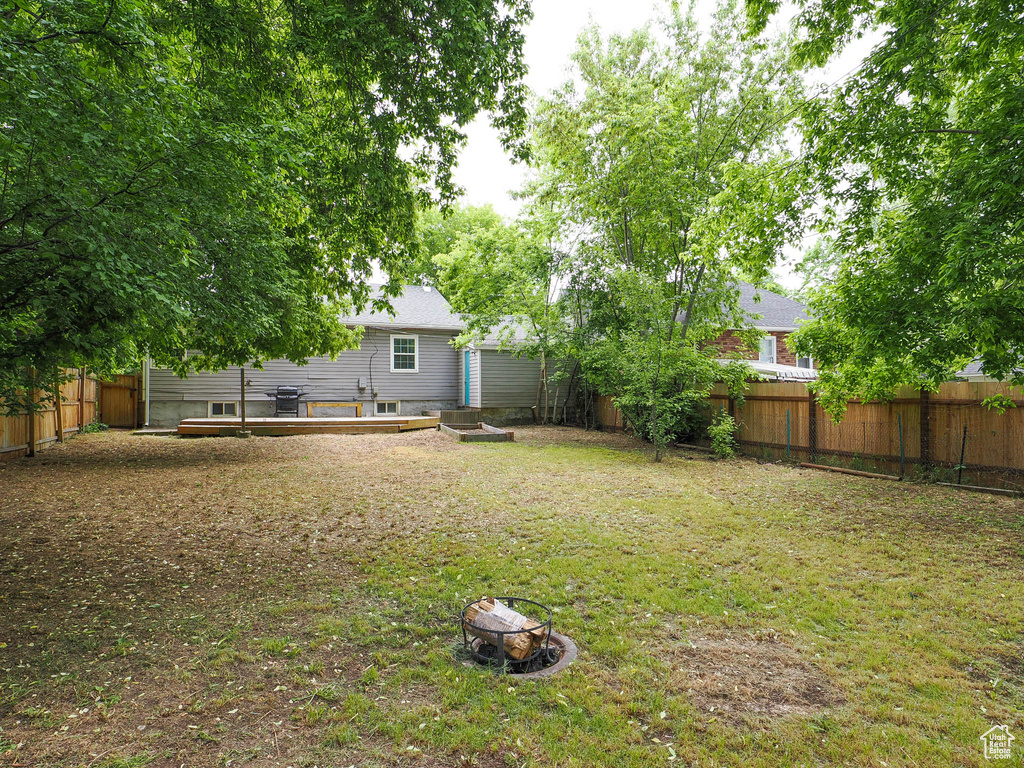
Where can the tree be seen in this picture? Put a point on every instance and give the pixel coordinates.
(439, 231)
(222, 177)
(504, 279)
(669, 165)
(918, 158)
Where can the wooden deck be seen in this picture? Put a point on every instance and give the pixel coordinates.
(226, 427)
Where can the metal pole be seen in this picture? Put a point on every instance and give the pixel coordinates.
(963, 448)
(899, 423)
(788, 450)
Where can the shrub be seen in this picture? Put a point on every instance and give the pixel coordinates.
(723, 435)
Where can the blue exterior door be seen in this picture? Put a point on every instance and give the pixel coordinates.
(465, 365)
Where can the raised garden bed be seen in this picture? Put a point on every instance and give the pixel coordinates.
(477, 433)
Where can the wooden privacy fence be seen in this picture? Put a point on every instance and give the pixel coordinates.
(948, 432)
(84, 399)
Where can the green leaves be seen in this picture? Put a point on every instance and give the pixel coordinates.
(223, 177)
(667, 170)
(919, 156)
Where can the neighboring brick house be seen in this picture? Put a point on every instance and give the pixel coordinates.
(777, 316)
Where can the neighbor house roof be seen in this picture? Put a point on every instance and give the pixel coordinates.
(975, 371)
(776, 371)
(777, 313)
(419, 306)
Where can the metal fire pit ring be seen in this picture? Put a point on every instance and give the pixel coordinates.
(499, 660)
(567, 652)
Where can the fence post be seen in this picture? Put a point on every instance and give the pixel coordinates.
(812, 426)
(926, 454)
(899, 423)
(788, 449)
(963, 449)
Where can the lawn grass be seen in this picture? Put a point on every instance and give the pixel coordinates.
(291, 601)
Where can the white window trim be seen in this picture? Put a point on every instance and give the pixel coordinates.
(398, 407)
(211, 403)
(810, 361)
(774, 353)
(416, 362)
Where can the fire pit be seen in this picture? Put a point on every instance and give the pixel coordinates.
(497, 635)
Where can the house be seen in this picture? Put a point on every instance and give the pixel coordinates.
(497, 379)
(406, 364)
(777, 316)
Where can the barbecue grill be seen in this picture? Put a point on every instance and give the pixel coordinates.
(286, 400)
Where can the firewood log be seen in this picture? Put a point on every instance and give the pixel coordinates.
(489, 614)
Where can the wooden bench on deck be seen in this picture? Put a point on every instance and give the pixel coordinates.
(357, 406)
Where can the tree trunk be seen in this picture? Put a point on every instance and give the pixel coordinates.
(31, 412)
(568, 392)
(81, 398)
(242, 432)
(58, 413)
(544, 384)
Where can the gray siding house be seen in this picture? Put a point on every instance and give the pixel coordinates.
(501, 379)
(406, 364)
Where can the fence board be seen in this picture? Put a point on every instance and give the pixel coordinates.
(14, 430)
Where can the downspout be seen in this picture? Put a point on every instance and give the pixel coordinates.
(145, 387)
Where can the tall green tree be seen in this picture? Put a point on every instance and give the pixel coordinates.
(439, 232)
(505, 279)
(222, 176)
(667, 162)
(918, 156)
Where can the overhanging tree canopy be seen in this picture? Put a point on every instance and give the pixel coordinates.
(220, 176)
(920, 156)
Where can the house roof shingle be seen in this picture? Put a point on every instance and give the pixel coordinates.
(776, 312)
(418, 307)
(424, 307)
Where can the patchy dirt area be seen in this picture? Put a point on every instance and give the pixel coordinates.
(762, 675)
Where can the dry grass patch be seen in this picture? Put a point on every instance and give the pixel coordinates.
(735, 675)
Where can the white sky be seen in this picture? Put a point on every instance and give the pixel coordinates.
(485, 171)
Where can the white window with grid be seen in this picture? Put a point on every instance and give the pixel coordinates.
(223, 409)
(767, 352)
(405, 354)
(387, 408)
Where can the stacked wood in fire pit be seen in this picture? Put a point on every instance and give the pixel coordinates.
(486, 618)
